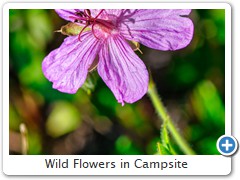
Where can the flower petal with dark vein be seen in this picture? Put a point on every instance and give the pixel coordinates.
(105, 35)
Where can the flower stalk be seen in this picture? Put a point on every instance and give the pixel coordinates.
(162, 113)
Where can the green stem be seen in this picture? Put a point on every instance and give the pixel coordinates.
(162, 113)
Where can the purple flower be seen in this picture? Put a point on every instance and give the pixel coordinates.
(110, 30)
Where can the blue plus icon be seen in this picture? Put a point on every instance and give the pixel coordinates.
(227, 145)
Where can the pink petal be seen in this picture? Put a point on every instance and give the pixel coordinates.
(115, 12)
(122, 70)
(71, 14)
(67, 66)
(106, 14)
(67, 14)
(162, 29)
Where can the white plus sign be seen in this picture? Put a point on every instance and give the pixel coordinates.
(227, 145)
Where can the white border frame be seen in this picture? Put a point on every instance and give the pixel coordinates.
(200, 165)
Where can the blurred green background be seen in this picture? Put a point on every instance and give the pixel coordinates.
(190, 82)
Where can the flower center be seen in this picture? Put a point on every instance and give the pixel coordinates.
(103, 29)
(102, 25)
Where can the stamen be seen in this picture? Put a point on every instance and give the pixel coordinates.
(79, 35)
(93, 31)
(99, 13)
(89, 20)
(87, 12)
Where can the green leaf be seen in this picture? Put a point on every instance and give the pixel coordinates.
(165, 139)
(164, 135)
(162, 150)
(207, 104)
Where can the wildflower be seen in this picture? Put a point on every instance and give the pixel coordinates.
(107, 39)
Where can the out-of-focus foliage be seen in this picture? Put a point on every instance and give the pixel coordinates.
(190, 82)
